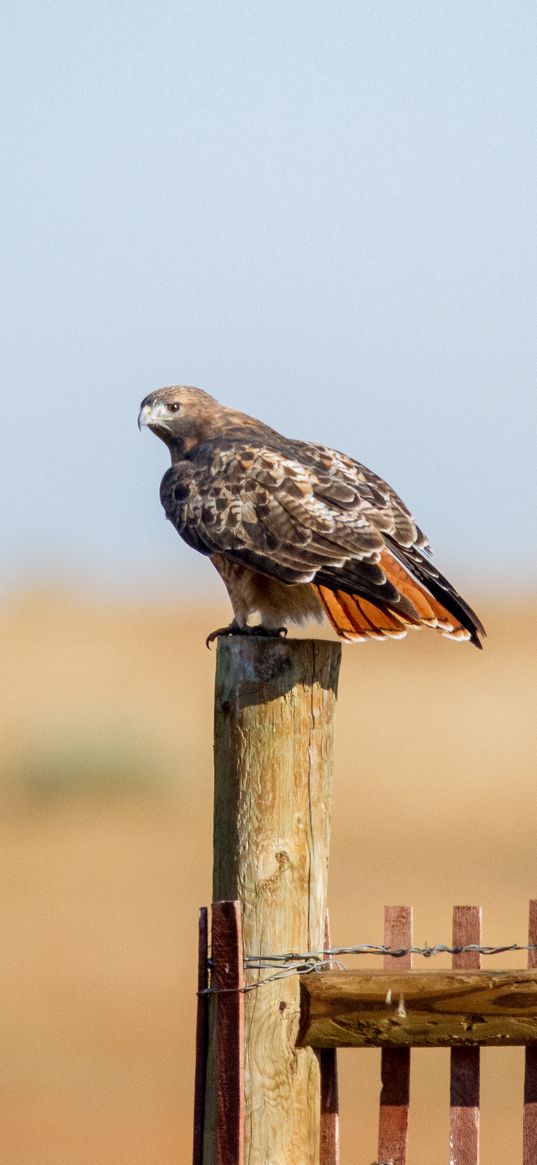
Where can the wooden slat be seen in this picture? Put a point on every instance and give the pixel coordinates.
(202, 1031)
(329, 1127)
(464, 1082)
(418, 1009)
(395, 1062)
(529, 1152)
(227, 958)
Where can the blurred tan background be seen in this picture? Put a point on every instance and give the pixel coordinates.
(324, 214)
(106, 786)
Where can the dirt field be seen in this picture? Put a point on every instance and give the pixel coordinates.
(105, 856)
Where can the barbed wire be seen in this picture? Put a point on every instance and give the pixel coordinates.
(381, 949)
(292, 963)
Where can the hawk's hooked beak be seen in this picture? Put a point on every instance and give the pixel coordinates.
(153, 414)
(144, 416)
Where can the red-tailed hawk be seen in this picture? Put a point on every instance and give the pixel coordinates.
(296, 529)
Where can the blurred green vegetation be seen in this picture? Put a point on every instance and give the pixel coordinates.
(81, 762)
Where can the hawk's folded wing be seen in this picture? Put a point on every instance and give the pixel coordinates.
(302, 513)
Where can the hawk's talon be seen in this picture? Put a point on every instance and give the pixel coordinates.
(267, 632)
(231, 629)
(258, 629)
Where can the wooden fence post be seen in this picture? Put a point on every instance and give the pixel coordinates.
(395, 1062)
(274, 714)
(529, 1152)
(201, 1037)
(465, 1062)
(329, 1131)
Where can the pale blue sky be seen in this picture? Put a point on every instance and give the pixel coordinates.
(323, 213)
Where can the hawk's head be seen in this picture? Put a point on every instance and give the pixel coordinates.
(178, 415)
(184, 417)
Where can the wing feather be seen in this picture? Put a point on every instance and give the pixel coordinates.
(304, 513)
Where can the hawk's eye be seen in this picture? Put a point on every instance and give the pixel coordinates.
(174, 406)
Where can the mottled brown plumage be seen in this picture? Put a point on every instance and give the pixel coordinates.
(295, 528)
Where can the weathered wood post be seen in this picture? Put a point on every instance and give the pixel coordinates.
(274, 720)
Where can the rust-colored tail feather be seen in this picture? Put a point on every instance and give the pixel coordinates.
(356, 618)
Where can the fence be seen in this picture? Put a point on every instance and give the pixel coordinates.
(395, 1009)
(274, 1003)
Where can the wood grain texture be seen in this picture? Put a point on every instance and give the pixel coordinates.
(424, 1009)
(395, 1062)
(274, 713)
(202, 1034)
(465, 1065)
(329, 1130)
(529, 1151)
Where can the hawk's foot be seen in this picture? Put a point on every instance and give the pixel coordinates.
(232, 629)
(267, 632)
(258, 629)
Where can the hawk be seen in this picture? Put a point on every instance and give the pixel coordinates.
(295, 529)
